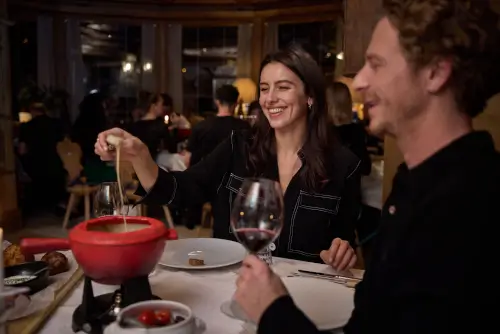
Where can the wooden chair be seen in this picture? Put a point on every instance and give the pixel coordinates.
(71, 154)
(127, 178)
(207, 219)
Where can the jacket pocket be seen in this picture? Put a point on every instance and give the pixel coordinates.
(310, 222)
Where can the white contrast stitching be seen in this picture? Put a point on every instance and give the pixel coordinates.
(355, 169)
(298, 205)
(175, 191)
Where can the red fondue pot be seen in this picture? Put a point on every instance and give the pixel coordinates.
(106, 253)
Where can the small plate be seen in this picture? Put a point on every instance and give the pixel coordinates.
(329, 305)
(217, 253)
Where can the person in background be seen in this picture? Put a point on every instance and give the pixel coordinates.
(37, 150)
(254, 111)
(292, 145)
(352, 135)
(208, 134)
(142, 105)
(178, 121)
(423, 82)
(151, 128)
(90, 121)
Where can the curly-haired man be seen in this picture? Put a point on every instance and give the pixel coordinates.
(430, 68)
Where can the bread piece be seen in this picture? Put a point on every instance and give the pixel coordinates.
(196, 258)
(12, 256)
(58, 262)
(114, 140)
(196, 262)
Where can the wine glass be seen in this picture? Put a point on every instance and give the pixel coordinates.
(107, 200)
(257, 215)
(256, 220)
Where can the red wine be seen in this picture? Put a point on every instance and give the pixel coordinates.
(254, 239)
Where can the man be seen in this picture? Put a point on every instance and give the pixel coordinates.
(211, 132)
(430, 68)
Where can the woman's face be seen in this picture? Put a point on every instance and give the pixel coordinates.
(282, 96)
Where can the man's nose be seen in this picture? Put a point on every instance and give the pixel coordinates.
(360, 81)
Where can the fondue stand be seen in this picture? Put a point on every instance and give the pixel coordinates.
(95, 313)
(110, 255)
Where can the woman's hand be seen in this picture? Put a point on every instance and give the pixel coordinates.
(341, 256)
(131, 148)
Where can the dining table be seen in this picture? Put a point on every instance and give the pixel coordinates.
(204, 291)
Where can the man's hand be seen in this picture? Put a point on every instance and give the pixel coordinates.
(257, 288)
(341, 256)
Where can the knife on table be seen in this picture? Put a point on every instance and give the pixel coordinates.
(333, 276)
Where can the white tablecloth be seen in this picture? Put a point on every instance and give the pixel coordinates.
(203, 291)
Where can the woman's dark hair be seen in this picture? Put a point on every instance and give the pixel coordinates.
(316, 151)
(255, 105)
(155, 98)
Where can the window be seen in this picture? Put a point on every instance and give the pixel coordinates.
(23, 59)
(208, 61)
(111, 54)
(318, 38)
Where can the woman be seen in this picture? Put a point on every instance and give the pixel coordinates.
(151, 128)
(352, 135)
(293, 145)
(91, 121)
(254, 111)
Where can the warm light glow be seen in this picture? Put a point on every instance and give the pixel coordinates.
(127, 67)
(247, 89)
(148, 67)
(328, 55)
(183, 70)
(166, 119)
(340, 56)
(24, 117)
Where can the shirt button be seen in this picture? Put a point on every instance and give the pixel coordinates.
(392, 210)
(272, 247)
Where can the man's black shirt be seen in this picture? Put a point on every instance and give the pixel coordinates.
(429, 272)
(209, 133)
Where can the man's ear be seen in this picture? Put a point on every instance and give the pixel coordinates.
(438, 74)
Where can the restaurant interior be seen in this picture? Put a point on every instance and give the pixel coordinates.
(56, 53)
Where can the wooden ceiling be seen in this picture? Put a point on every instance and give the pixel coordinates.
(193, 12)
(180, 4)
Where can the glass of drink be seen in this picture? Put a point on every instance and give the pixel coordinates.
(257, 215)
(107, 201)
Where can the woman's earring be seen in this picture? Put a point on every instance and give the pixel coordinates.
(309, 105)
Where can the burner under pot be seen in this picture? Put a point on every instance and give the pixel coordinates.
(95, 313)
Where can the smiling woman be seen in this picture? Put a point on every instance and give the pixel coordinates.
(292, 145)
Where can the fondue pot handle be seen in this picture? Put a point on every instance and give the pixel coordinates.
(43, 245)
(171, 234)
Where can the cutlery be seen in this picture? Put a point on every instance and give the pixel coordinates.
(347, 283)
(307, 272)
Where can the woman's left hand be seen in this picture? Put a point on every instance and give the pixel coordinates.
(341, 256)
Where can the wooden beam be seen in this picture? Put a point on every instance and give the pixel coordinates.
(258, 31)
(360, 17)
(187, 17)
(10, 216)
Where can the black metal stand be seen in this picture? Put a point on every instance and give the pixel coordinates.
(95, 313)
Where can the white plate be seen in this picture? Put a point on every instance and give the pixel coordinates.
(217, 253)
(327, 304)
